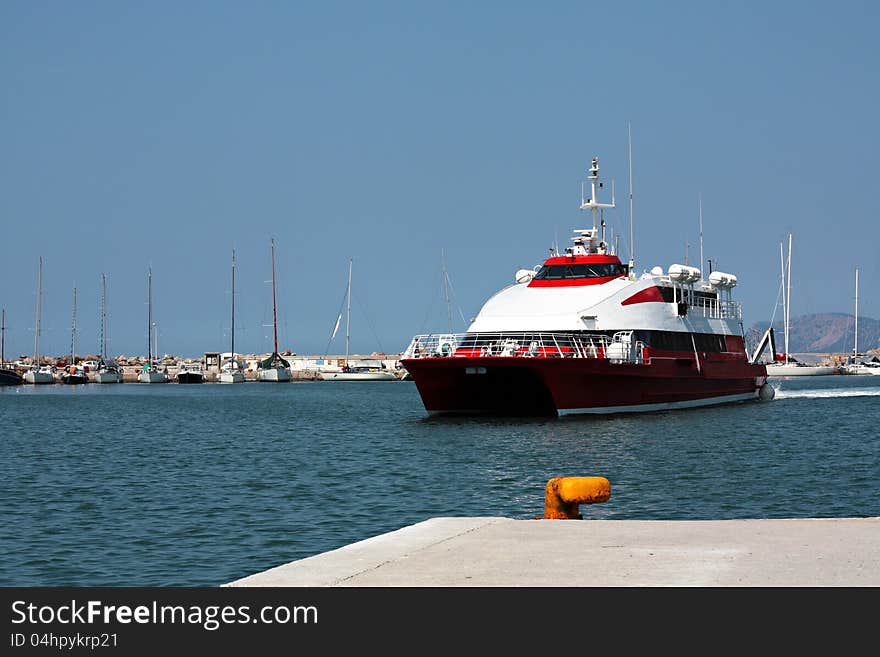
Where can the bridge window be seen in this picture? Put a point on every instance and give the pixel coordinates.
(560, 272)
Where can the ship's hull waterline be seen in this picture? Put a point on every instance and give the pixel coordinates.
(548, 387)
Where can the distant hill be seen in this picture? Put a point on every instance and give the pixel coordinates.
(822, 333)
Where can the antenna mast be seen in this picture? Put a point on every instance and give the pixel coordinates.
(632, 247)
(594, 206)
(701, 232)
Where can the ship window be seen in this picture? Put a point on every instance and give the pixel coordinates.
(597, 270)
(680, 341)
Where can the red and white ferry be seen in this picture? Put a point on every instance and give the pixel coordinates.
(584, 334)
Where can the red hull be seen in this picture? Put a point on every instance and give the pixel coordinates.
(549, 386)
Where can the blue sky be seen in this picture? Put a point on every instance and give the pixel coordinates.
(165, 134)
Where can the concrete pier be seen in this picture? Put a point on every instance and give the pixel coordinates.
(492, 551)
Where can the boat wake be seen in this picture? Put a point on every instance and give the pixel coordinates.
(827, 394)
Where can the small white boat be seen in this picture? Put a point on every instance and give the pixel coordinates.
(363, 372)
(854, 366)
(108, 371)
(153, 374)
(786, 365)
(360, 374)
(231, 372)
(43, 374)
(862, 369)
(800, 369)
(190, 372)
(274, 374)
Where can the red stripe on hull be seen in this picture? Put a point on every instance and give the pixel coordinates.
(547, 386)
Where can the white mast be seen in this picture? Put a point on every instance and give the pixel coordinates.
(593, 205)
(784, 297)
(150, 317)
(788, 301)
(232, 346)
(37, 321)
(701, 232)
(856, 341)
(348, 313)
(632, 248)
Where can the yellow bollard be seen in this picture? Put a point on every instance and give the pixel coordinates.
(564, 494)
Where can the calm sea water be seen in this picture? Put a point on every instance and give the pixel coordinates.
(166, 485)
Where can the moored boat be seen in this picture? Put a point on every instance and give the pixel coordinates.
(74, 374)
(107, 370)
(39, 373)
(784, 364)
(796, 368)
(584, 334)
(360, 373)
(190, 372)
(232, 370)
(274, 369)
(9, 376)
(349, 372)
(152, 371)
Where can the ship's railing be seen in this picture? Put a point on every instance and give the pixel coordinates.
(619, 348)
(715, 309)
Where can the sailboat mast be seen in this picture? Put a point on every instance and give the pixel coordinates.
(274, 308)
(348, 313)
(37, 320)
(150, 317)
(446, 290)
(3, 338)
(73, 332)
(232, 346)
(103, 316)
(788, 301)
(856, 340)
(782, 286)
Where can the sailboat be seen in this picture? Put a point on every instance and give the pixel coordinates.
(360, 372)
(854, 366)
(39, 373)
(108, 370)
(786, 366)
(232, 371)
(151, 372)
(8, 375)
(274, 368)
(74, 374)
